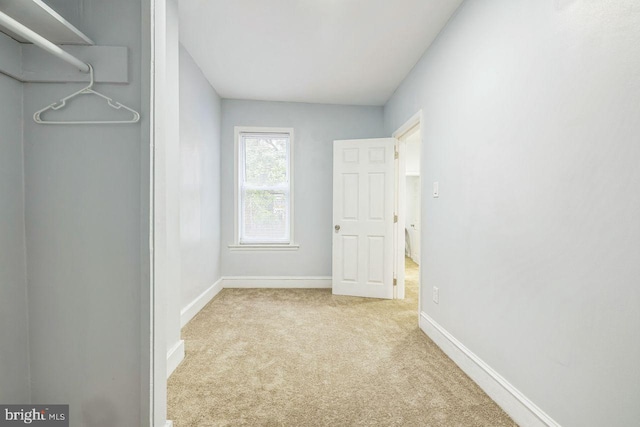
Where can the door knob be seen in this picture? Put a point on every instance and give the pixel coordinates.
(337, 227)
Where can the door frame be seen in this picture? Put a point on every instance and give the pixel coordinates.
(415, 121)
(162, 15)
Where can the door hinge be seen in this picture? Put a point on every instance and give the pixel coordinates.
(395, 154)
(395, 218)
(395, 282)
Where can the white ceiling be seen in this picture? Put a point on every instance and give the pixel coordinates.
(320, 51)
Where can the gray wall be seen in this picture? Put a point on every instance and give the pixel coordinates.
(86, 204)
(14, 351)
(531, 128)
(200, 115)
(315, 128)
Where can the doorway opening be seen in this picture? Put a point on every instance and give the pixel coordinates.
(408, 207)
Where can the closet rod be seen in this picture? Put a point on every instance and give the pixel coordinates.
(38, 40)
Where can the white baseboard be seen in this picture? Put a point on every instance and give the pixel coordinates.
(187, 313)
(175, 355)
(277, 282)
(517, 405)
(169, 423)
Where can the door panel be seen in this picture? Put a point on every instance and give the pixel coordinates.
(376, 260)
(376, 196)
(350, 252)
(363, 202)
(350, 196)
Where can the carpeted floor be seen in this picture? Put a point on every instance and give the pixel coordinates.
(303, 357)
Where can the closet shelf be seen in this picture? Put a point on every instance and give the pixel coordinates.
(43, 20)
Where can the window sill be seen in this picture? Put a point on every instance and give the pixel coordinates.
(272, 247)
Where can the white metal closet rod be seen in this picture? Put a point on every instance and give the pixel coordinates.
(38, 40)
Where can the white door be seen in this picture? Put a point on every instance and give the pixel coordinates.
(363, 205)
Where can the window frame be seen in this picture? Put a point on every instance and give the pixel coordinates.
(239, 131)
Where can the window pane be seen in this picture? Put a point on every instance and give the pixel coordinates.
(265, 160)
(265, 216)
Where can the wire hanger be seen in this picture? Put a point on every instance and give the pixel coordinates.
(85, 91)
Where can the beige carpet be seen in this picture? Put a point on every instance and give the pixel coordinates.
(303, 357)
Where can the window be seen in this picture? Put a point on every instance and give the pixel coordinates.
(264, 193)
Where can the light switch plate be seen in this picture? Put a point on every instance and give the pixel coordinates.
(436, 192)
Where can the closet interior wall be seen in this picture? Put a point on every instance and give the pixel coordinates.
(74, 236)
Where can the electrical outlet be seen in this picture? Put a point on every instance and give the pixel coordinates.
(436, 294)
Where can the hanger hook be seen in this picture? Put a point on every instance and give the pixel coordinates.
(90, 74)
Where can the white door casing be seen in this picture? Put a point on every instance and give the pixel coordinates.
(363, 210)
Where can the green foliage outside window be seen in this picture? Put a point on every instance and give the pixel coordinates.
(266, 184)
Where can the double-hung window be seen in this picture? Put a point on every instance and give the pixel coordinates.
(264, 186)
